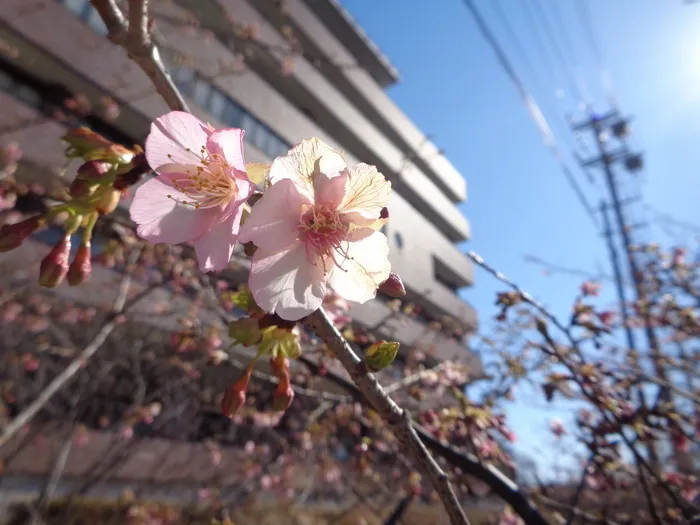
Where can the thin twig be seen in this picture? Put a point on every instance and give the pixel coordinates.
(398, 419)
(120, 305)
(409, 380)
(136, 40)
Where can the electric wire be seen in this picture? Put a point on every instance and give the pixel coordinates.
(571, 49)
(575, 88)
(605, 77)
(531, 106)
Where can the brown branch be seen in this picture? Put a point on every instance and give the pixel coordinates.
(467, 463)
(398, 419)
(135, 38)
(120, 306)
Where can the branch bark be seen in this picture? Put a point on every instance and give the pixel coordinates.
(399, 420)
(134, 36)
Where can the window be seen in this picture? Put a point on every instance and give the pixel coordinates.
(94, 20)
(233, 114)
(202, 90)
(260, 138)
(398, 240)
(217, 103)
(29, 96)
(5, 81)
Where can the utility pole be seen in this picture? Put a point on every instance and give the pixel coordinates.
(619, 128)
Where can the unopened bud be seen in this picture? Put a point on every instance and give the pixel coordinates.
(55, 266)
(235, 396)
(93, 170)
(13, 235)
(109, 201)
(284, 395)
(280, 365)
(79, 188)
(81, 266)
(384, 214)
(380, 355)
(245, 331)
(393, 286)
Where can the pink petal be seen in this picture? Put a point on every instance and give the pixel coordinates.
(172, 135)
(214, 248)
(287, 283)
(161, 219)
(366, 269)
(272, 223)
(228, 143)
(330, 190)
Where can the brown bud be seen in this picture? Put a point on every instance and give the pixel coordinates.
(393, 286)
(93, 170)
(54, 267)
(13, 235)
(384, 214)
(81, 267)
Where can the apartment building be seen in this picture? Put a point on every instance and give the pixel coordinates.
(308, 70)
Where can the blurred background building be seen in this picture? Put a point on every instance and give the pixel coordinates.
(281, 71)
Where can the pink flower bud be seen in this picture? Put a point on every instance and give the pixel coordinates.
(393, 286)
(235, 396)
(78, 188)
(54, 267)
(606, 317)
(13, 235)
(81, 266)
(93, 170)
(590, 288)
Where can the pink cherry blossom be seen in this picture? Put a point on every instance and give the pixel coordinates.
(200, 189)
(590, 288)
(317, 226)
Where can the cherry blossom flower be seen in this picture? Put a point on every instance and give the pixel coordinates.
(317, 225)
(199, 193)
(590, 288)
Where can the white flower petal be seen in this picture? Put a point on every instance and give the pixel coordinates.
(287, 283)
(303, 161)
(368, 192)
(367, 268)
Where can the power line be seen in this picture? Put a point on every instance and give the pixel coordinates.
(568, 75)
(539, 42)
(571, 48)
(531, 106)
(605, 77)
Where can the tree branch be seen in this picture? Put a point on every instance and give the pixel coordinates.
(398, 419)
(120, 306)
(134, 36)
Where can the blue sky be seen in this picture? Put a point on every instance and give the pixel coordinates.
(519, 201)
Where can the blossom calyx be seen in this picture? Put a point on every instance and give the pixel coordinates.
(109, 201)
(380, 355)
(54, 267)
(13, 235)
(393, 286)
(245, 331)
